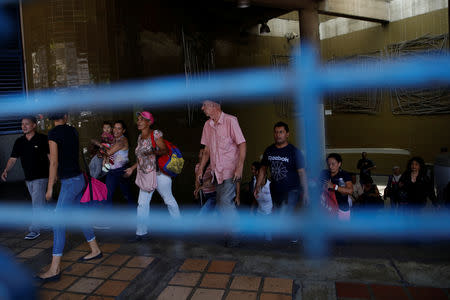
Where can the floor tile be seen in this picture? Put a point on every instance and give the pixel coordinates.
(352, 290)
(270, 296)
(278, 285)
(127, 274)
(100, 298)
(109, 248)
(112, 288)
(218, 281)
(175, 292)
(83, 247)
(85, 285)
(188, 279)
(71, 296)
(78, 269)
(425, 293)
(208, 294)
(63, 283)
(64, 265)
(221, 266)
(47, 294)
(116, 260)
(238, 295)
(11, 242)
(30, 252)
(194, 265)
(44, 244)
(27, 243)
(388, 292)
(245, 283)
(16, 250)
(140, 262)
(74, 255)
(102, 271)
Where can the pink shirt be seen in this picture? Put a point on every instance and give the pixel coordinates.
(223, 139)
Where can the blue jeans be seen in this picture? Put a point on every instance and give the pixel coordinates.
(37, 189)
(210, 203)
(69, 197)
(115, 177)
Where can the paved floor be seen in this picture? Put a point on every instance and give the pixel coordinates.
(188, 268)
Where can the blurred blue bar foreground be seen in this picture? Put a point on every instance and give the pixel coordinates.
(307, 81)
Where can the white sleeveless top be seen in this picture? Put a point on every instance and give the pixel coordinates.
(120, 159)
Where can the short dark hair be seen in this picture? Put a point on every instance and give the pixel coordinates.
(256, 164)
(336, 156)
(108, 123)
(56, 115)
(281, 124)
(31, 118)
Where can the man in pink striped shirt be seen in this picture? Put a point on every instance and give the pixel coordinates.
(225, 147)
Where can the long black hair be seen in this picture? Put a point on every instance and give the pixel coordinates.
(421, 162)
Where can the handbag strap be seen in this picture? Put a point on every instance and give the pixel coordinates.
(152, 137)
(153, 140)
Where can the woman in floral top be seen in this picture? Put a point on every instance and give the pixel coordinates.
(148, 176)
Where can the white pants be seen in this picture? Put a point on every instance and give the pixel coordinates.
(164, 188)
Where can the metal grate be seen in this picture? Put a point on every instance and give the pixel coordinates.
(423, 101)
(367, 101)
(11, 70)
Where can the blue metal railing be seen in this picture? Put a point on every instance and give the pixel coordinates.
(307, 81)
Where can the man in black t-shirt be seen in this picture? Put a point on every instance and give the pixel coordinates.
(365, 166)
(287, 170)
(32, 149)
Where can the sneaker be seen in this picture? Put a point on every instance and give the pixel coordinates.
(139, 238)
(32, 235)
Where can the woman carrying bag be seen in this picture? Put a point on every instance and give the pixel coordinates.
(64, 154)
(149, 177)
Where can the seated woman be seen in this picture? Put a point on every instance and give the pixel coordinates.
(370, 197)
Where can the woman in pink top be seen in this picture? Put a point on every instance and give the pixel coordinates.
(148, 176)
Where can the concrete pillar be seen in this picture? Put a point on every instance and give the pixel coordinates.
(309, 26)
(309, 32)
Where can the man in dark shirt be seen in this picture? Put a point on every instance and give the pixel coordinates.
(288, 176)
(32, 149)
(365, 166)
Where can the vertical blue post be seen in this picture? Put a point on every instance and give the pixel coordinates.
(308, 98)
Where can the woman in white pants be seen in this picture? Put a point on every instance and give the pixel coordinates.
(148, 176)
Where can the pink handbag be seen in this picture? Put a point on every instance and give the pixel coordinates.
(146, 181)
(99, 191)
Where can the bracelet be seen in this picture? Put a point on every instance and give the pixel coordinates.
(336, 187)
